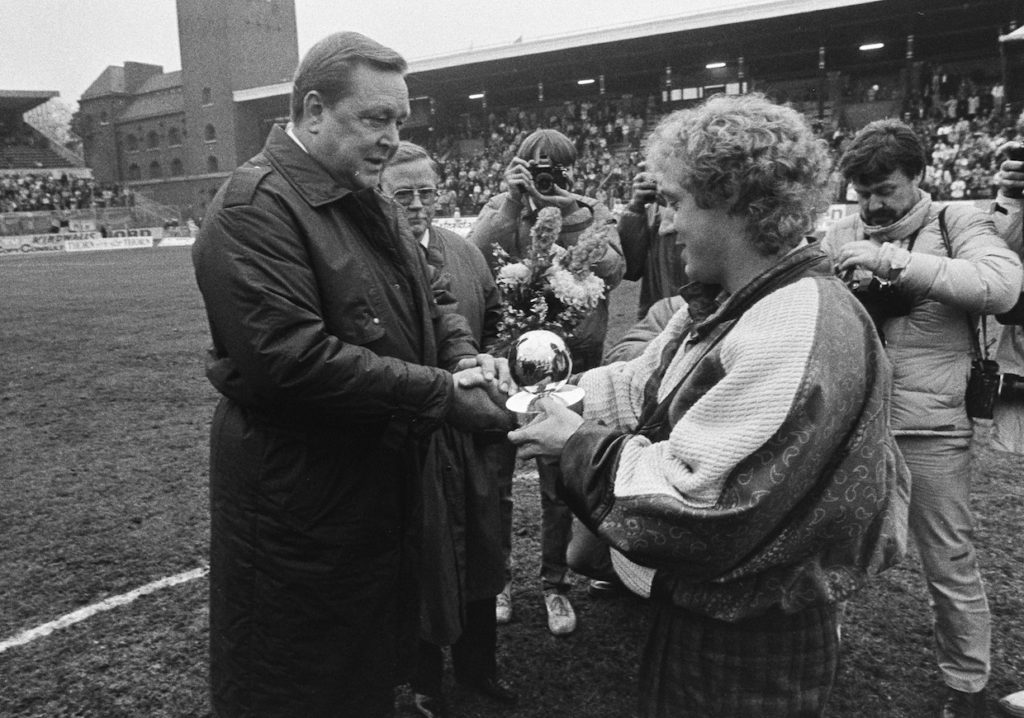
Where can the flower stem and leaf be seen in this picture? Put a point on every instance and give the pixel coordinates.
(552, 287)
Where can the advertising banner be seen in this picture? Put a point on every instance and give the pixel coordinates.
(154, 232)
(90, 245)
(28, 243)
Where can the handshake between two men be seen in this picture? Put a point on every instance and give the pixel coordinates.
(482, 385)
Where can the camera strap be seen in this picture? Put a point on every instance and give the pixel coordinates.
(980, 349)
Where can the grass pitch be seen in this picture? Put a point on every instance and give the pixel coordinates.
(104, 413)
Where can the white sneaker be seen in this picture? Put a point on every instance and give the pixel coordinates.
(561, 617)
(503, 605)
(1013, 704)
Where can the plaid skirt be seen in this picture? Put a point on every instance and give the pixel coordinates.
(775, 665)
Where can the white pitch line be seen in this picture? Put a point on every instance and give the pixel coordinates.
(106, 604)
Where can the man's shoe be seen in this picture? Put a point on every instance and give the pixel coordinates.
(1013, 704)
(494, 689)
(503, 605)
(428, 706)
(561, 617)
(958, 704)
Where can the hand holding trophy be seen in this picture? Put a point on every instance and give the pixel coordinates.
(540, 364)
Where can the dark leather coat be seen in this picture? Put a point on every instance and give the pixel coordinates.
(327, 346)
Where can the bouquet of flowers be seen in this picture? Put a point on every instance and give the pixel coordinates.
(551, 287)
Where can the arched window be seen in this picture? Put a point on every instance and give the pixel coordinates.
(207, 96)
(131, 143)
(210, 133)
(177, 170)
(152, 140)
(154, 170)
(174, 137)
(211, 164)
(104, 118)
(134, 172)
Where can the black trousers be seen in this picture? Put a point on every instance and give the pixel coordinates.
(473, 655)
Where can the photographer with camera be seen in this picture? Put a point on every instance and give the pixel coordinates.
(539, 176)
(1008, 419)
(649, 244)
(927, 273)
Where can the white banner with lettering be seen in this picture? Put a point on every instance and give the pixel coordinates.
(90, 245)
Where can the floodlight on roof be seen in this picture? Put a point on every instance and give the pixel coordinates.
(872, 46)
(477, 96)
(588, 81)
(714, 65)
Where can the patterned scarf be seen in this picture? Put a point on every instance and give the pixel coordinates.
(905, 226)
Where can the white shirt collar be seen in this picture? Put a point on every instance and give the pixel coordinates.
(290, 130)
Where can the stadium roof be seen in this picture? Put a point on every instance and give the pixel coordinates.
(21, 101)
(686, 21)
(776, 40)
(693, 20)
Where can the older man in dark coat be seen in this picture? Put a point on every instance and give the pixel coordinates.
(332, 356)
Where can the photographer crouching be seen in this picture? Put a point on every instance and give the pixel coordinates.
(539, 176)
(926, 273)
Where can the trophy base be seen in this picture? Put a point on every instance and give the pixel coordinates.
(521, 402)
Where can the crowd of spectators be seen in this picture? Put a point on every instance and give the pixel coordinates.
(963, 137)
(607, 134)
(962, 123)
(963, 133)
(31, 192)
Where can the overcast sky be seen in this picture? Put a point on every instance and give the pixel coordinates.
(64, 45)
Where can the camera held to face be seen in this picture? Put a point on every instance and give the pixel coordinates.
(547, 175)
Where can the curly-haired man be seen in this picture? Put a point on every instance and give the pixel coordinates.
(741, 468)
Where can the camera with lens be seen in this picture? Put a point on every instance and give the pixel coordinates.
(547, 175)
(881, 299)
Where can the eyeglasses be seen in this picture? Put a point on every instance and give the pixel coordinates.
(428, 195)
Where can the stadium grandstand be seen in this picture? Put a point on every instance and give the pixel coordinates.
(43, 184)
(954, 69)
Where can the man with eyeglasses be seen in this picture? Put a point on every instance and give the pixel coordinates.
(462, 567)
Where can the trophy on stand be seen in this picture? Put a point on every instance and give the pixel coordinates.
(541, 365)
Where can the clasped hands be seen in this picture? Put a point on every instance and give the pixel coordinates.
(482, 384)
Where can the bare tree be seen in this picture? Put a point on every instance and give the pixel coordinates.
(53, 119)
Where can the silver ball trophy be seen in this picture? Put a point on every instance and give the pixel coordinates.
(540, 364)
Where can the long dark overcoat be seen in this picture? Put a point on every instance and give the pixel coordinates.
(327, 343)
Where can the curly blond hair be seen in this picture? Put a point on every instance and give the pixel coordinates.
(754, 157)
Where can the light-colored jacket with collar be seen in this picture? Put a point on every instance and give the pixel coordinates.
(930, 348)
